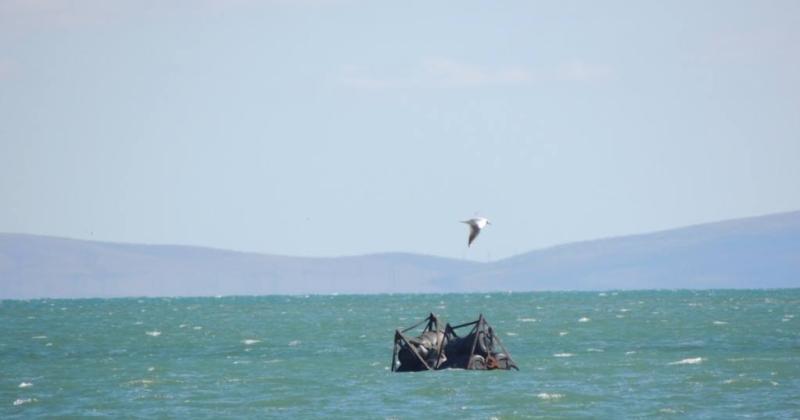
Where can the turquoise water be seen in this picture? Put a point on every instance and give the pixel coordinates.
(700, 354)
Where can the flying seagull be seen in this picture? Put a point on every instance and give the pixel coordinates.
(475, 226)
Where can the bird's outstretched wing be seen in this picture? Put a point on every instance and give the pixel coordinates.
(473, 233)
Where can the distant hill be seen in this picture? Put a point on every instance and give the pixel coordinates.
(760, 252)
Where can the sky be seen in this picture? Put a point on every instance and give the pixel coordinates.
(329, 128)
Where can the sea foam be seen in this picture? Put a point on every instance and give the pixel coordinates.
(20, 401)
(549, 396)
(689, 361)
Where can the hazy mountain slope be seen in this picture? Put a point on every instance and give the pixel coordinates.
(35, 266)
(755, 252)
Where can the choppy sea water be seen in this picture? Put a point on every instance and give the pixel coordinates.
(700, 354)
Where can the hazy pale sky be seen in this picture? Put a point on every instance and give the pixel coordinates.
(328, 128)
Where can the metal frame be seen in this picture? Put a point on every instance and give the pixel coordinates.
(481, 330)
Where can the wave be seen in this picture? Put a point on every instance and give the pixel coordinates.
(20, 401)
(689, 361)
(549, 396)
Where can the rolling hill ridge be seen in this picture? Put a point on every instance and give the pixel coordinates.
(759, 252)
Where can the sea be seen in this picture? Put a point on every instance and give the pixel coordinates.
(614, 354)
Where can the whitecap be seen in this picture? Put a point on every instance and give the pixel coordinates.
(511, 334)
(144, 382)
(720, 323)
(39, 337)
(197, 328)
(549, 396)
(563, 355)
(153, 333)
(20, 401)
(183, 326)
(250, 341)
(584, 319)
(562, 333)
(294, 343)
(628, 353)
(151, 368)
(689, 361)
(526, 319)
(594, 350)
(602, 294)
(25, 385)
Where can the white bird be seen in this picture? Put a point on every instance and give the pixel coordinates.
(475, 226)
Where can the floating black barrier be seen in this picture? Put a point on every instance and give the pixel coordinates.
(436, 348)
